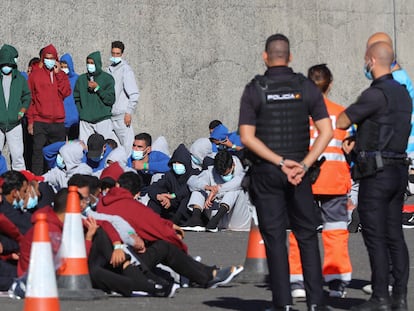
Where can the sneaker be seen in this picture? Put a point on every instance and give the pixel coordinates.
(18, 289)
(408, 220)
(224, 276)
(211, 229)
(337, 289)
(367, 289)
(298, 289)
(194, 228)
(195, 223)
(166, 291)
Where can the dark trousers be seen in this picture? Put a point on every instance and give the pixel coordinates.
(107, 278)
(44, 134)
(171, 256)
(176, 214)
(380, 202)
(8, 272)
(278, 203)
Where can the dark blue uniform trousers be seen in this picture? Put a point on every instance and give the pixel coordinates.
(280, 204)
(380, 202)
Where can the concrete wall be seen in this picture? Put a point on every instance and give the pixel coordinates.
(192, 58)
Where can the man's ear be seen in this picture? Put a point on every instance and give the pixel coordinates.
(290, 58)
(265, 57)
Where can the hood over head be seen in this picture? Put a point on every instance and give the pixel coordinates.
(13, 51)
(118, 155)
(201, 148)
(220, 132)
(50, 49)
(7, 58)
(114, 170)
(97, 59)
(72, 154)
(67, 58)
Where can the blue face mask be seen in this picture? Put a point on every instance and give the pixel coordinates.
(49, 63)
(179, 168)
(32, 202)
(18, 204)
(6, 69)
(368, 72)
(60, 163)
(91, 68)
(196, 160)
(115, 60)
(138, 154)
(228, 177)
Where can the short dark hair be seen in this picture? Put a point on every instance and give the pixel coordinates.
(131, 182)
(12, 180)
(278, 50)
(79, 181)
(93, 182)
(33, 61)
(144, 136)
(223, 161)
(111, 143)
(213, 124)
(107, 182)
(118, 45)
(60, 201)
(321, 75)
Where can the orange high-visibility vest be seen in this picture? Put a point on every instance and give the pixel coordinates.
(335, 176)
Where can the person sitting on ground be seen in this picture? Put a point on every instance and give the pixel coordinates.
(219, 189)
(14, 194)
(69, 162)
(145, 161)
(161, 243)
(223, 140)
(169, 195)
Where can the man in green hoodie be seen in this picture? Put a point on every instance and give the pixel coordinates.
(14, 101)
(94, 95)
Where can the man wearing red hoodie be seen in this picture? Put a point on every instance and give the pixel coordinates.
(46, 114)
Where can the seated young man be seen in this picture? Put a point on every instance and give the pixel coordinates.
(145, 161)
(162, 239)
(170, 194)
(218, 196)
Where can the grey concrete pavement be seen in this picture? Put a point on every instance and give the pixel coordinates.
(226, 248)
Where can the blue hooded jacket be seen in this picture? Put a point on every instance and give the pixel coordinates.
(71, 111)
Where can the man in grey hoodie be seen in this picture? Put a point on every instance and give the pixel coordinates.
(126, 96)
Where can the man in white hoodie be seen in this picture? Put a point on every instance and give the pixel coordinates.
(68, 163)
(126, 96)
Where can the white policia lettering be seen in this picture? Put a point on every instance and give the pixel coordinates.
(285, 96)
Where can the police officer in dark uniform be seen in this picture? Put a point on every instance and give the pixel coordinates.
(383, 116)
(274, 126)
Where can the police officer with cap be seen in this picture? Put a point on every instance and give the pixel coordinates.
(274, 126)
(383, 116)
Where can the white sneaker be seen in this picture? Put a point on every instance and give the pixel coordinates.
(298, 293)
(367, 289)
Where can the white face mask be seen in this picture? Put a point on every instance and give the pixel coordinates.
(91, 68)
(65, 70)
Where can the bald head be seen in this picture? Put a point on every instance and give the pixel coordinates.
(382, 53)
(379, 37)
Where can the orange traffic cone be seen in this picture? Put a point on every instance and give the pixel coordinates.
(73, 275)
(41, 292)
(255, 265)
